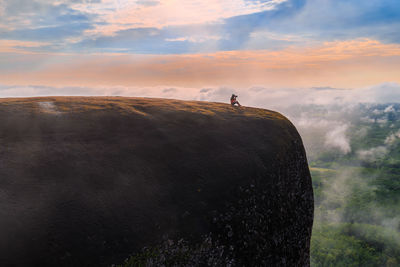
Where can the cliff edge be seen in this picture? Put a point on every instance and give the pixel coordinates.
(87, 181)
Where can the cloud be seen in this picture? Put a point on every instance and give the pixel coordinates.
(49, 107)
(336, 192)
(33, 20)
(321, 133)
(185, 26)
(341, 20)
(126, 14)
(302, 23)
(194, 39)
(389, 109)
(169, 90)
(392, 138)
(379, 152)
(26, 91)
(337, 64)
(148, 2)
(55, 33)
(197, 26)
(373, 154)
(338, 138)
(15, 46)
(32, 14)
(324, 122)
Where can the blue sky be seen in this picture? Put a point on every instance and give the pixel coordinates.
(46, 35)
(79, 26)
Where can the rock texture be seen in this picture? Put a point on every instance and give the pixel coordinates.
(89, 181)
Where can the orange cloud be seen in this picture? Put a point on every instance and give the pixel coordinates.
(16, 46)
(353, 63)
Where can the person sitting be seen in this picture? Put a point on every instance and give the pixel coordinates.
(234, 101)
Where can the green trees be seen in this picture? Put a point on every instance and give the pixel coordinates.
(344, 244)
(357, 201)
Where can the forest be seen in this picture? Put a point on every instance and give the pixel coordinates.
(354, 159)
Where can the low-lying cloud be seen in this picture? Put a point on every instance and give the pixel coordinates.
(324, 127)
(337, 138)
(255, 96)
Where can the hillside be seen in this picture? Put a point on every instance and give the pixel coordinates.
(87, 181)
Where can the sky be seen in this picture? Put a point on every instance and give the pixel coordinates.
(101, 47)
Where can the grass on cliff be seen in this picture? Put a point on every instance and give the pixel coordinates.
(63, 105)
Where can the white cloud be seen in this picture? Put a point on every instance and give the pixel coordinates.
(372, 154)
(389, 109)
(195, 38)
(377, 153)
(337, 138)
(337, 193)
(392, 138)
(264, 34)
(123, 14)
(16, 46)
(382, 121)
(362, 132)
(48, 107)
(377, 112)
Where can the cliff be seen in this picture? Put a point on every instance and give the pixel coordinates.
(87, 181)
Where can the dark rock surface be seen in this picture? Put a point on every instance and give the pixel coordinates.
(88, 181)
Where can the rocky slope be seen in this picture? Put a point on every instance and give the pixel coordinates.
(86, 181)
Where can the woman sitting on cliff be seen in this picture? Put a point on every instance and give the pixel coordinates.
(234, 101)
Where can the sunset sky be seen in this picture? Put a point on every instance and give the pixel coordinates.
(243, 44)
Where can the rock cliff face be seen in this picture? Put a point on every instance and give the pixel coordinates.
(88, 181)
